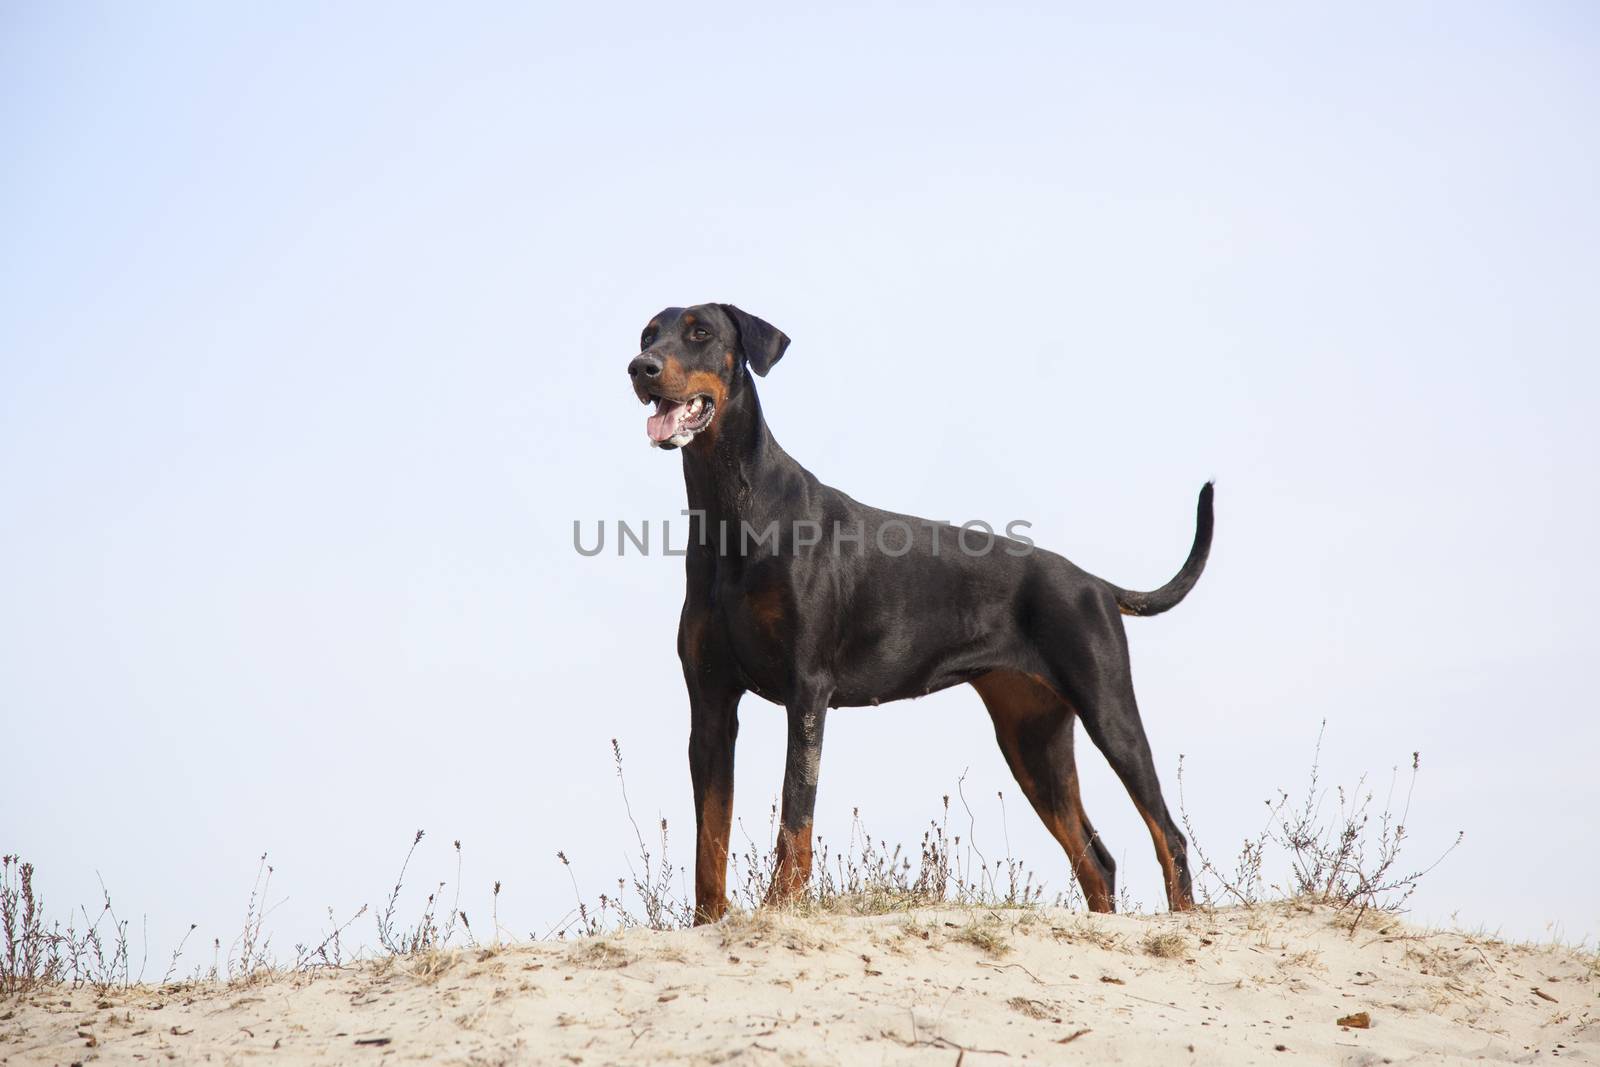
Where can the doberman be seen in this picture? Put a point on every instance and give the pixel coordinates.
(809, 599)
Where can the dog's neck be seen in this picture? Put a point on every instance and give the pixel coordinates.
(735, 471)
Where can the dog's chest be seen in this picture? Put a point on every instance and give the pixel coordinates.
(759, 628)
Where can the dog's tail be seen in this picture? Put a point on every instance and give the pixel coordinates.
(1169, 595)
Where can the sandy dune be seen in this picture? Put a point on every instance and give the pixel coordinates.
(936, 987)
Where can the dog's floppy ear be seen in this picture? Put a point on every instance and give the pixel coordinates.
(762, 342)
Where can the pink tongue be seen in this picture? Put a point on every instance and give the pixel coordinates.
(664, 423)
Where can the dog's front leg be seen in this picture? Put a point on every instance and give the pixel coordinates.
(793, 871)
(713, 729)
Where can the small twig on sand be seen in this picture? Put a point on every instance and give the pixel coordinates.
(1018, 966)
(1157, 1003)
(942, 1042)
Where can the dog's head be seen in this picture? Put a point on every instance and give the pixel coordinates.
(690, 364)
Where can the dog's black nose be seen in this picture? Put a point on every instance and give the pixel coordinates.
(646, 363)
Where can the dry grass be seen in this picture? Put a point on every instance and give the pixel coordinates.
(600, 952)
(866, 876)
(1167, 945)
(100, 954)
(984, 935)
(1033, 1009)
(1449, 962)
(1346, 857)
(796, 928)
(31, 953)
(1088, 930)
(1306, 959)
(916, 929)
(432, 964)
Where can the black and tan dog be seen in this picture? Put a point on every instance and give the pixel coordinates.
(803, 596)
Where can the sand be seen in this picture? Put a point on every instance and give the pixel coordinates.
(940, 986)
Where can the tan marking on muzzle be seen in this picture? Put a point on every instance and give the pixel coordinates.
(679, 384)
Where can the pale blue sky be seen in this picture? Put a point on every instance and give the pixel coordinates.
(314, 323)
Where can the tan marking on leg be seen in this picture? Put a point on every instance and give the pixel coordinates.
(1096, 893)
(1176, 900)
(1015, 700)
(711, 855)
(793, 873)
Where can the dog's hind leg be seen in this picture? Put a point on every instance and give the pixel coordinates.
(1034, 727)
(1102, 854)
(1104, 699)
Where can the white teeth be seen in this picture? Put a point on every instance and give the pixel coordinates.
(695, 405)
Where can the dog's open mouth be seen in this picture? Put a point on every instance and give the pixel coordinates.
(677, 421)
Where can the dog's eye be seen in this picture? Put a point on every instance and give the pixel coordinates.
(646, 339)
(699, 333)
